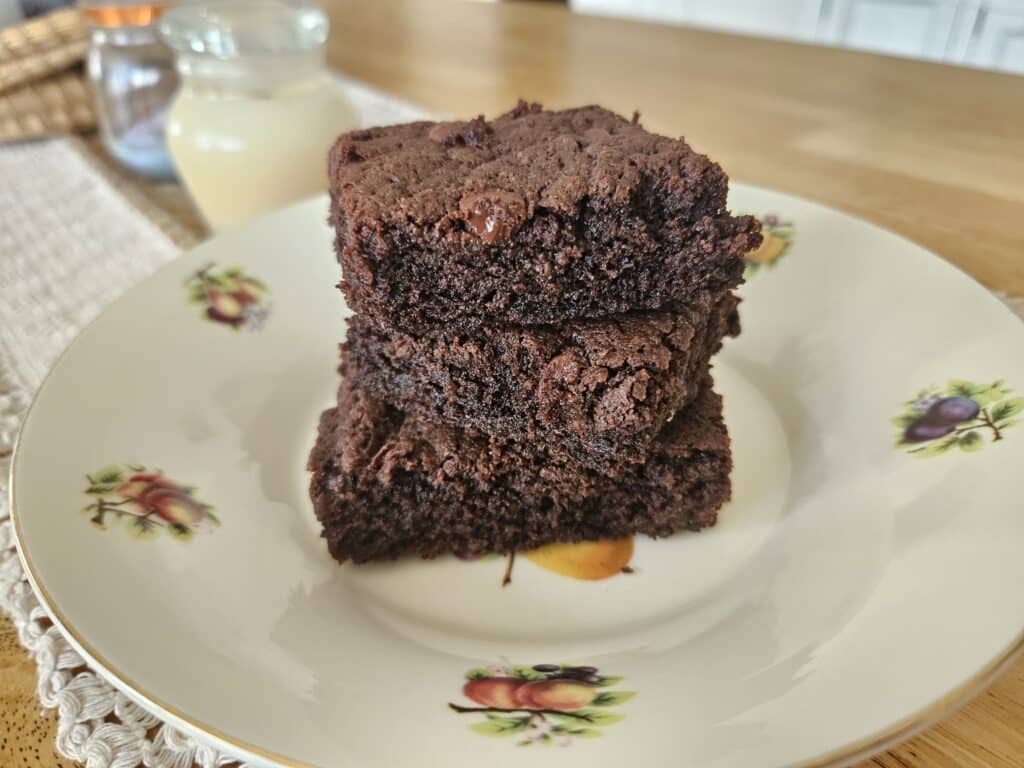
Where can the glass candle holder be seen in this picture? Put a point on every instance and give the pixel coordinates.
(257, 113)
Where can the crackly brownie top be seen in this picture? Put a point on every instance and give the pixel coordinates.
(490, 176)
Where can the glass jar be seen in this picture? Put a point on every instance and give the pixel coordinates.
(132, 76)
(257, 113)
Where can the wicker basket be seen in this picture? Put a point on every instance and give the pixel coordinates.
(42, 89)
(57, 105)
(42, 47)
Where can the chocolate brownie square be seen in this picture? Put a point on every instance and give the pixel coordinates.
(599, 390)
(535, 217)
(385, 485)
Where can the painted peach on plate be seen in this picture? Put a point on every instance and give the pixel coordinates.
(499, 692)
(566, 695)
(146, 501)
(587, 560)
(777, 238)
(770, 249)
(546, 704)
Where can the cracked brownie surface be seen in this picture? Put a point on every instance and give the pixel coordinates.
(535, 217)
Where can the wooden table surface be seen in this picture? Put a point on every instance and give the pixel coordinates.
(933, 152)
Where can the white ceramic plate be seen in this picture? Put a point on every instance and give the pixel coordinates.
(853, 590)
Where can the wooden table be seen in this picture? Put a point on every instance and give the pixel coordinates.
(930, 151)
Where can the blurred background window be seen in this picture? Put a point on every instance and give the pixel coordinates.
(979, 33)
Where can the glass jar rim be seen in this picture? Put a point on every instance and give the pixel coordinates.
(234, 29)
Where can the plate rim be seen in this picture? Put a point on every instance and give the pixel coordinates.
(898, 732)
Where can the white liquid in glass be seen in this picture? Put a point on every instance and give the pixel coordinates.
(243, 155)
(256, 115)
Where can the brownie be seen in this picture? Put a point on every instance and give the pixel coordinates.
(385, 485)
(599, 390)
(535, 217)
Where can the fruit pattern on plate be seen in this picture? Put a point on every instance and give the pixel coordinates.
(146, 502)
(961, 415)
(230, 297)
(546, 704)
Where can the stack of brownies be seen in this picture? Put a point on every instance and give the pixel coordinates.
(537, 301)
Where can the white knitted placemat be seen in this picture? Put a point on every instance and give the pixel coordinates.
(70, 244)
